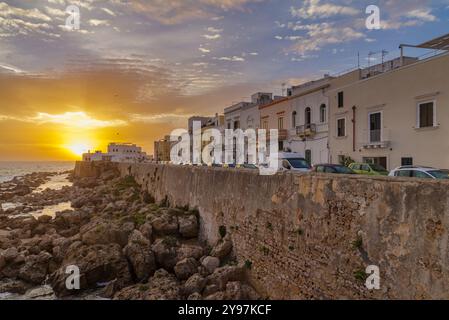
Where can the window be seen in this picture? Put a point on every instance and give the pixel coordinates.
(308, 117)
(421, 175)
(375, 127)
(403, 173)
(294, 119)
(265, 124)
(341, 127)
(426, 115)
(309, 156)
(323, 113)
(229, 125)
(406, 161)
(341, 99)
(365, 167)
(237, 124)
(280, 123)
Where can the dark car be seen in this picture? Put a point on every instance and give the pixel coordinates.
(332, 168)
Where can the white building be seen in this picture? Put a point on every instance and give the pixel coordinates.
(309, 120)
(118, 152)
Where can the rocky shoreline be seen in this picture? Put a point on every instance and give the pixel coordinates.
(125, 245)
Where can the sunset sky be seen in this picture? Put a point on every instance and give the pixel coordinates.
(138, 69)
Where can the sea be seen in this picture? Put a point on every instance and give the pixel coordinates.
(9, 169)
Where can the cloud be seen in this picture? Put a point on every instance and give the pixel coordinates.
(109, 11)
(233, 59)
(322, 34)
(423, 15)
(75, 119)
(99, 23)
(214, 30)
(178, 11)
(314, 9)
(8, 11)
(160, 118)
(212, 36)
(204, 50)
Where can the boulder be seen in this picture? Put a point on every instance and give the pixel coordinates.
(216, 296)
(195, 284)
(234, 291)
(222, 248)
(162, 286)
(165, 225)
(223, 275)
(140, 256)
(211, 263)
(165, 251)
(188, 226)
(14, 286)
(97, 263)
(44, 219)
(190, 251)
(147, 230)
(100, 231)
(195, 296)
(185, 268)
(35, 269)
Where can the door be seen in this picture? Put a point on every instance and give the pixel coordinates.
(309, 156)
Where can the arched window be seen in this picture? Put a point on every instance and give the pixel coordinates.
(308, 117)
(294, 119)
(323, 113)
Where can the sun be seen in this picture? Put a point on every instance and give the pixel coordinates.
(79, 148)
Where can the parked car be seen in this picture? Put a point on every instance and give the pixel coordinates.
(419, 172)
(369, 169)
(293, 161)
(332, 168)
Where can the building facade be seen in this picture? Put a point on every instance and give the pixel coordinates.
(162, 149)
(399, 117)
(118, 152)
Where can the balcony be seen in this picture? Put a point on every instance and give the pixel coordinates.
(282, 135)
(377, 140)
(307, 130)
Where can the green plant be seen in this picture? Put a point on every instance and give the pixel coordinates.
(291, 248)
(143, 287)
(357, 243)
(222, 231)
(248, 264)
(139, 219)
(269, 226)
(299, 231)
(170, 241)
(346, 160)
(265, 250)
(360, 275)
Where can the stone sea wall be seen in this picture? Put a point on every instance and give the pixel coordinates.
(311, 236)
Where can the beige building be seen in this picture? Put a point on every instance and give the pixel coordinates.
(162, 149)
(393, 118)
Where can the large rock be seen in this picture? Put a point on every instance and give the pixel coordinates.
(100, 231)
(14, 286)
(234, 291)
(195, 283)
(147, 231)
(211, 263)
(97, 264)
(162, 286)
(185, 268)
(35, 269)
(223, 275)
(165, 224)
(140, 256)
(188, 226)
(190, 251)
(165, 251)
(222, 248)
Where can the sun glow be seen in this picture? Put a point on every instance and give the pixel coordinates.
(79, 148)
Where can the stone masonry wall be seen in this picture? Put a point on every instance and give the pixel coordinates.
(311, 236)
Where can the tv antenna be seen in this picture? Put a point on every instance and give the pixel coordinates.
(372, 53)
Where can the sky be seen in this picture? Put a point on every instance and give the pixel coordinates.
(137, 69)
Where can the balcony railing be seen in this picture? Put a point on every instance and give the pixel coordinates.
(306, 130)
(375, 136)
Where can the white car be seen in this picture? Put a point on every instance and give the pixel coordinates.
(293, 161)
(419, 172)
